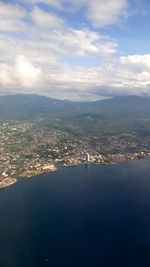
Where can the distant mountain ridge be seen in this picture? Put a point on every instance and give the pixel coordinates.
(23, 106)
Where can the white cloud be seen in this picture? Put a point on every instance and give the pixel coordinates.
(139, 60)
(12, 25)
(46, 20)
(40, 69)
(101, 13)
(39, 60)
(105, 13)
(125, 76)
(55, 3)
(58, 44)
(60, 80)
(10, 11)
(26, 73)
(19, 73)
(10, 17)
(117, 78)
(82, 43)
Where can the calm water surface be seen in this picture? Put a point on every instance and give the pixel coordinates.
(78, 217)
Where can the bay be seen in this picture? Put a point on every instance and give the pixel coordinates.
(78, 216)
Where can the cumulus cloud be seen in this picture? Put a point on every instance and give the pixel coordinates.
(100, 13)
(112, 79)
(60, 80)
(25, 72)
(9, 11)
(20, 72)
(104, 14)
(42, 67)
(46, 20)
(58, 44)
(83, 42)
(41, 53)
(125, 76)
(12, 25)
(141, 61)
(11, 17)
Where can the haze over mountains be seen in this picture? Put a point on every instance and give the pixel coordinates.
(116, 115)
(30, 106)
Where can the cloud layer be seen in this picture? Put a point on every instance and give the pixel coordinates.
(42, 52)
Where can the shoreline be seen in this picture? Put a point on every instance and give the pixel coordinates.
(8, 181)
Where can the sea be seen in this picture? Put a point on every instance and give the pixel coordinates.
(83, 216)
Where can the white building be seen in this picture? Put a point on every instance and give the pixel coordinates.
(87, 157)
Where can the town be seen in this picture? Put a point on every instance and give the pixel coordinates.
(27, 149)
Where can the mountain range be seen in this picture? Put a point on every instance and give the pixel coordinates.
(25, 106)
(123, 114)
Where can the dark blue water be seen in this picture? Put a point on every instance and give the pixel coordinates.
(78, 217)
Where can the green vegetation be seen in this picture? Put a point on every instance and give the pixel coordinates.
(62, 132)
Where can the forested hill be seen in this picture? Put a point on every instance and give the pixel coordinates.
(112, 116)
(30, 106)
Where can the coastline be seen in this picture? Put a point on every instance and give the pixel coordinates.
(5, 182)
(32, 173)
(8, 181)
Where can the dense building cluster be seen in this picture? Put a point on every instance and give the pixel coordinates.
(27, 149)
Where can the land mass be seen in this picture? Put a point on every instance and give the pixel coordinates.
(37, 134)
(7, 182)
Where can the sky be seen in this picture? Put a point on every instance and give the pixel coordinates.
(75, 49)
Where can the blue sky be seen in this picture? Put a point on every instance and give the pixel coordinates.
(78, 50)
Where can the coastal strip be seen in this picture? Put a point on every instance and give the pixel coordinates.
(7, 182)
